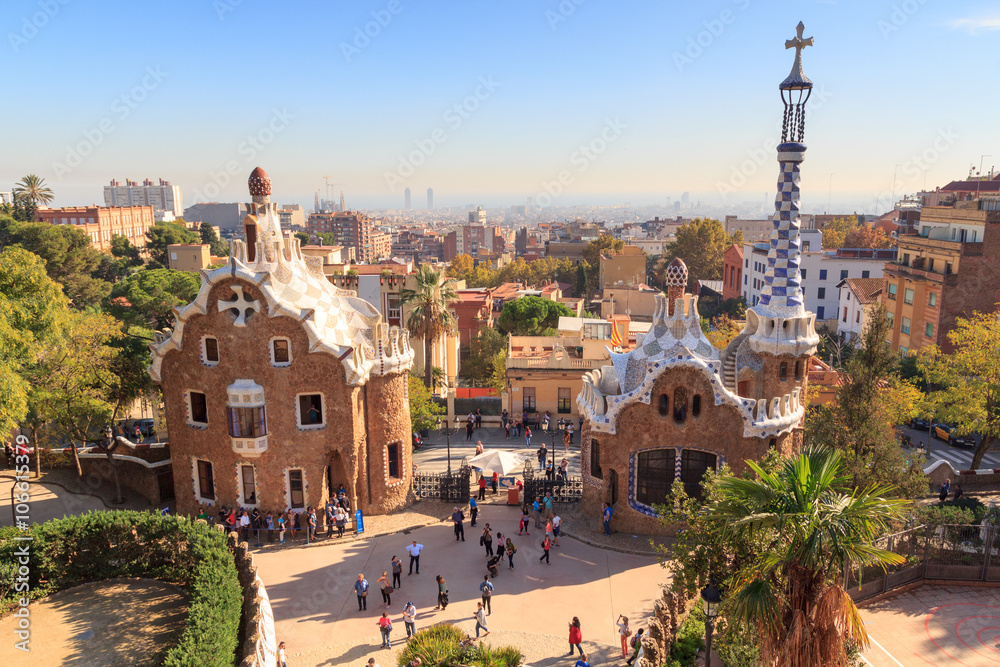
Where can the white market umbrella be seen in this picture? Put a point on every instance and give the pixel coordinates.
(496, 461)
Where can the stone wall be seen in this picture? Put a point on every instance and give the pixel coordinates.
(133, 473)
(258, 642)
(987, 479)
(668, 614)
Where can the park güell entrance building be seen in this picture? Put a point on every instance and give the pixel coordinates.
(675, 406)
(278, 386)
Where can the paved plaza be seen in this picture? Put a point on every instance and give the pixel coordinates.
(433, 456)
(935, 625)
(316, 611)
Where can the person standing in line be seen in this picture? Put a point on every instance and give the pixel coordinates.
(527, 437)
(575, 636)
(245, 525)
(556, 524)
(442, 593)
(525, 518)
(270, 528)
(340, 518)
(385, 627)
(328, 515)
(495, 482)
(386, 589)
(410, 619)
(311, 530)
(397, 572)
(486, 589)
(546, 545)
(624, 632)
(537, 507)
(281, 528)
(414, 551)
(486, 539)
(481, 620)
(473, 511)
(482, 486)
(361, 589)
(511, 550)
(607, 518)
(296, 525)
(281, 655)
(548, 505)
(457, 517)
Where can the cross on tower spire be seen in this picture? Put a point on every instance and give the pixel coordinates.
(797, 80)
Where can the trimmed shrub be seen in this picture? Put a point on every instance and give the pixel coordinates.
(105, 545)
(444, 645)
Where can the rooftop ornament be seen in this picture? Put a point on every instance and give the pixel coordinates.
(795, 90)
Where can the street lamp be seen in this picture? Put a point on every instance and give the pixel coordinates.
(711, 597)
(447, 432)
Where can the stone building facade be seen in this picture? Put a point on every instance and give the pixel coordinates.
(675, 406)
(279, 387)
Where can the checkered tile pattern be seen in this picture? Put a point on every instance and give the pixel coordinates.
(782, 291)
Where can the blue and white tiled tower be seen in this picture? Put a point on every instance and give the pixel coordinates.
(779, 323)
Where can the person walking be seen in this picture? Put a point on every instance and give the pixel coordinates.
(546, 545)
(361, 589)
(486, 540)
(525, 518)
(340, 518)
(575, 636)
(527, 437)
(410, 619)
(537, 507)
(506, 431)
(486, 589)
(385, 627)
(442, 593)
(556, 525)
(624, 632)
(457, 517)
(481, 620)
(473, 511)
(495, 481)
(569, 429)
(607, 518)
(386, 589)
(636, 647)
(511, 550)
(397, 572)
(281, 655)
(414, 551)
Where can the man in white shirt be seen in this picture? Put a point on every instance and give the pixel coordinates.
(414, 551)
(556, 523)
(410, 619)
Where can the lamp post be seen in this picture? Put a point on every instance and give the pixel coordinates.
(443, 425)
(711, 596)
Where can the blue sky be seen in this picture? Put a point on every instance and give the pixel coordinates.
(669, 96)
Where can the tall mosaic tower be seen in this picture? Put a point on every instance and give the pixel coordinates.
(780, 323)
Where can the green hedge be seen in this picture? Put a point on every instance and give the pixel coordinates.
(104, 545)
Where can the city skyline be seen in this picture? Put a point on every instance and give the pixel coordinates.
(491, 104)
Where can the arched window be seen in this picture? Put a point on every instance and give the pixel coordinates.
(696, 405)
(680, 404)
(664, 405)
(783, 371)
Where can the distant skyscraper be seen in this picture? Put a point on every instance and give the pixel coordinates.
(477, 217)
(685, 198)
(316, 208)
(406, 198)
(343, 205)
(430, 199)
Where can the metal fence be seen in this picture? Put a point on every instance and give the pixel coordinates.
(453, 487)
(568, 490)
(957, 552)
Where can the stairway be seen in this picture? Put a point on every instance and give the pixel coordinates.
(729, 362)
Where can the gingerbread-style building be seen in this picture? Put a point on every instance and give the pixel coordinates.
(279, 387)
(675, 406)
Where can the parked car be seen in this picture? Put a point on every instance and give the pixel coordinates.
(947, 433)
(921, 424)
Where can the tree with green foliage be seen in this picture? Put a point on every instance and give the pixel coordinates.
(32, 189)
(124, 259)
(485, 345)
(701, 245)
(424, 412)
(804, 523)
(605, 243)
(31, 309)
(327, 238)
(871, 401)
(967, 381)
(162, 234)
(303, 237)
(145, 300)
(429, 317)
(218, 247)
(835, 232)
(581, 280)
(532, 316)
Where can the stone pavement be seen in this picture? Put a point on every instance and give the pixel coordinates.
(316, 612)
(432, 457)
(62, 492)
(935, 625)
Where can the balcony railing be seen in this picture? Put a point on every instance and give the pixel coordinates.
(530, 362)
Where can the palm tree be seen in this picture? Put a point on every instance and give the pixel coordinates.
(429, 316)
(33, 189)
(812, 523)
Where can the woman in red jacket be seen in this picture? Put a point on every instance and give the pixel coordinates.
(575, 636)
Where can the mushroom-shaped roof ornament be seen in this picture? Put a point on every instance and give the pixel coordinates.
(676, 273)
(259, 183)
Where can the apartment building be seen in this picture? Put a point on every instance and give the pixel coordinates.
(858, 297)
(162, 196)
(353, 230)
(948, 270)
(732, 272)
(100, 223)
